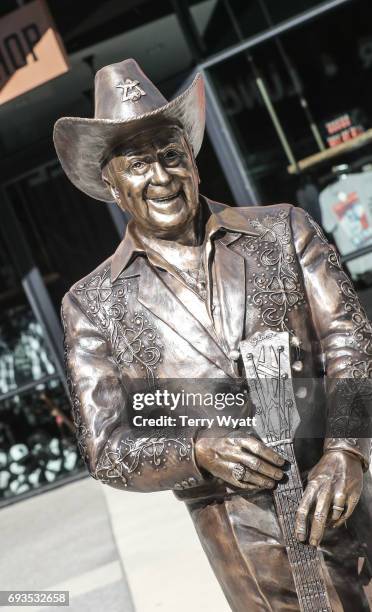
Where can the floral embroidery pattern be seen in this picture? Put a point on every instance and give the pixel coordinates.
(333, 256)
(362, 329)
(278, 289)
(82, 432)
(349, 412)
(360, 369)
(318, 230)
(133, 340)
(362, 332)
(122, 464)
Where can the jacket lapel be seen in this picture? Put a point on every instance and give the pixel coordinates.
(230, 279)
(154, 294)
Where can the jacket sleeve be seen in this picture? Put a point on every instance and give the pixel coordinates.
(107, 441)
(345, 336)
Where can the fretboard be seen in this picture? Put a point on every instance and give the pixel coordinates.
(306, 561)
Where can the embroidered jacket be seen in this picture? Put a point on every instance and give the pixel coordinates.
(267, 268)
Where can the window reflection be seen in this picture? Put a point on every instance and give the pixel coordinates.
(24, 357)
(37, 441)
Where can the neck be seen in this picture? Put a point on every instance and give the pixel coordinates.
(190, 235)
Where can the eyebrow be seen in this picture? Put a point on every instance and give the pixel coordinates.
(143, 151)
(133, 152)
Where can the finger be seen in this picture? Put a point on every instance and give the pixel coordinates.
(320, 515)
(338, 507)
(303, 510)
(351, 503)
(256, 464)
(261, 450)
(226, 472)
(260, 481)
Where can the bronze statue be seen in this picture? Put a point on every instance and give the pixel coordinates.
(198, 290)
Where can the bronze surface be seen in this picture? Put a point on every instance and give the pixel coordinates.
(138, 318)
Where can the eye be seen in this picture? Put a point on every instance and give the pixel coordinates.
(138, 165)
(171, 155)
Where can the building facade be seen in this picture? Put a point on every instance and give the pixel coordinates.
(289, 99)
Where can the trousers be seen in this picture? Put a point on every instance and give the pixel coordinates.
(242, 538)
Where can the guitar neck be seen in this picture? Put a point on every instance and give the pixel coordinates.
(267, 362)
(306, 562)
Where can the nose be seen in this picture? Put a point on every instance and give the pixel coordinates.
(159, 175)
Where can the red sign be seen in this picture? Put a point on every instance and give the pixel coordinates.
(31, 50)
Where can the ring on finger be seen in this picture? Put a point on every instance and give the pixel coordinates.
(238, 472)
(339, 508)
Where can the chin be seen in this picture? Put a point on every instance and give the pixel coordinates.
(164, 224)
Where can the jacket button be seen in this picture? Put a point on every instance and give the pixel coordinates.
(234, 355)
(301, 392)
(297, 366)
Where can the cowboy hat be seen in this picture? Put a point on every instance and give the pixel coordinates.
(125, 101)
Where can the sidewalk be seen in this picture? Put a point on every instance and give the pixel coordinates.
(62, 540)
(165, 565)
(81, 536)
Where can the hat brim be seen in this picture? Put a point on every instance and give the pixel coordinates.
(83, 144)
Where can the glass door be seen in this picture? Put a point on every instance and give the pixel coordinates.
(37, 441)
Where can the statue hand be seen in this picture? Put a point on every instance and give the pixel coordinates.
(219, 456)
(333, 490)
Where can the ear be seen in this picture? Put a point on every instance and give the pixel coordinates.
(115, 194)
(191, 151)
(108, 180)
(196, 168)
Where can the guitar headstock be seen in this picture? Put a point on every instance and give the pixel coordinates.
(267, 361)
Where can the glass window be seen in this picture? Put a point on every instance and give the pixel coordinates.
(331, 58)
(61, 225)
(37, 439)
(222, 23)
(37, 442)
(24, 356)
(288, 98)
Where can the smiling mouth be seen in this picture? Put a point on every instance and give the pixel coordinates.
(173, 196)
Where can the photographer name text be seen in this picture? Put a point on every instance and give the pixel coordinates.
(184, 420)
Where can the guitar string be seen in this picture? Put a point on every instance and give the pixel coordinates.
(293, 550)
(297, 557)
(312, 555)
(298, 554)
(300, 550)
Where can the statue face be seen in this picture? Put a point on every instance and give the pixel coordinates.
(155, 179)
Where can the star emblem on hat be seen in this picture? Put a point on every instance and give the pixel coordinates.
(130, 90)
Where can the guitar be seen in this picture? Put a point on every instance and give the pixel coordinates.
(267, 361)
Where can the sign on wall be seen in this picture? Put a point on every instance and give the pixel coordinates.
(31, 50)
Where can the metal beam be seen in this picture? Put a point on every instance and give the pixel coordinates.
(189, 29)
(282, 27)
(227, 149)
(358, 253)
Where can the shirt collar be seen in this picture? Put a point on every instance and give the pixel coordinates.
(222, 217)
